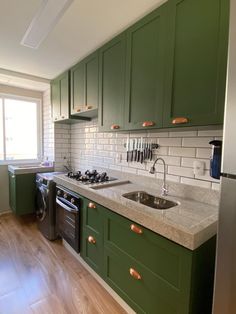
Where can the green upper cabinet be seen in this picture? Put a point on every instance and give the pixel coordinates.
(84, 87)
(60, 97)
(145, 71)
(196, 62)
(112, 84)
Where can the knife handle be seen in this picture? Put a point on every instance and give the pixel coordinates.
(141, 157)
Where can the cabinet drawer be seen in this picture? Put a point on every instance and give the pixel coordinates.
(92, 249)
(161, 256)
(148, 294)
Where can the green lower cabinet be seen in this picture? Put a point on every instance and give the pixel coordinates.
(91, 247)
(22, 193)
(151, 273)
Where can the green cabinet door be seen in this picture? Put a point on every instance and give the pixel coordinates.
(77, 88)
(84, 86)
(91, 245)
(196, 62)
(91, 81)
(64, 91)
(145, 71)
(55, 100)
(60, 97)
(22, 193)
(112, 84)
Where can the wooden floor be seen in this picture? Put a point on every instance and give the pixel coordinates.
(42, 277)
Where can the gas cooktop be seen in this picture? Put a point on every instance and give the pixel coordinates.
(90, 177)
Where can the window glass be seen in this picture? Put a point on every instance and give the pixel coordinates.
(21, 129)
(1, 132)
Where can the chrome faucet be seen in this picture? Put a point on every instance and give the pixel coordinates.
(164, 190)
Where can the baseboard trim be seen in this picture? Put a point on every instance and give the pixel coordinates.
(4, 212)
(115, 296)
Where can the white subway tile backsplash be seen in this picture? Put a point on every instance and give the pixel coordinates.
(181, 171)
(170, 141)
(188, 162)
(203, 153)
(210, 133)
(182, 151)
(196, 142)
(200, 183)
(183, 134)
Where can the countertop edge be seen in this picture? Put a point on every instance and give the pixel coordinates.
(186, 239)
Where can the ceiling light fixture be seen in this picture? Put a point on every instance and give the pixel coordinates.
(44, 21)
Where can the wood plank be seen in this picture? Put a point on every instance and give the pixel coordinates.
(44, 276)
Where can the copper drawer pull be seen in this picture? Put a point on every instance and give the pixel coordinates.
(135, 274)
(63, 117)
(136, 229)
(78, 110)
(55, 119)
(91, 240)
(148, 123)
(88, 107)
(115, 127)
(180, 120)
(91, 205)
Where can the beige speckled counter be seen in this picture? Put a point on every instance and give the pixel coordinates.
(189, 224)
(23, 169)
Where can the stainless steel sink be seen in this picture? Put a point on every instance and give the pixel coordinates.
(150, 200)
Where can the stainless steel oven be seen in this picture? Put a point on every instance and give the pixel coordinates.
(68, 216)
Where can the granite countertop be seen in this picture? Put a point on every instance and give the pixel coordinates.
(190, 223)
(23, 169)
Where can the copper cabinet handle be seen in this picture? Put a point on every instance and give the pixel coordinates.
(180, 120)
(91, 240)
(78, 110)
(88, 107)
(135, 274)
(115, 127)
(63, 117)
(136, 229)
(91, 205)
(148, 123)
(55, 119)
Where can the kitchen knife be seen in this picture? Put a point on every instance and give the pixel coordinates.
(141, 151)
(135, 149)
(138, 150)
(127, 150)
(132, 149)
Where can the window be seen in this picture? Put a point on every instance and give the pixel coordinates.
(20, 131)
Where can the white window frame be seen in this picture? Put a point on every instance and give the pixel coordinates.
(38, 101)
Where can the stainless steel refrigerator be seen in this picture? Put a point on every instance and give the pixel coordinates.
(225, 276)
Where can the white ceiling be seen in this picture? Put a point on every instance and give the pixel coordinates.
(85, 26)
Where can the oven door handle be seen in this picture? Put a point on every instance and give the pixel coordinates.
(73, 210)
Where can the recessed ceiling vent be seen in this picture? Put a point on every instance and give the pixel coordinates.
(44, 21)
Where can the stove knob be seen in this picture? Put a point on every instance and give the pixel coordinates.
(65, 195)
(72, 200)
(58, 192)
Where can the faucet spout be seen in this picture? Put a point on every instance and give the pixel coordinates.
(164, 190)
